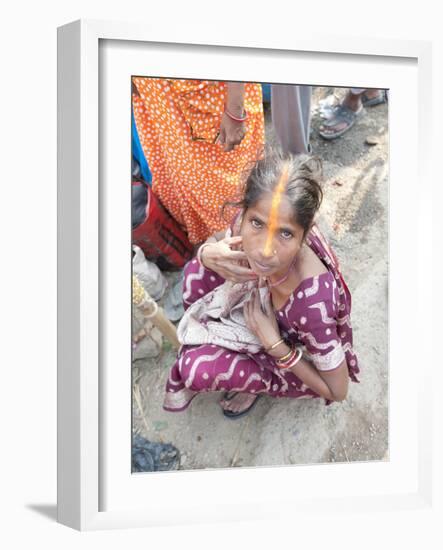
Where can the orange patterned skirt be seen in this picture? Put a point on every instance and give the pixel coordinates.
(178, 122)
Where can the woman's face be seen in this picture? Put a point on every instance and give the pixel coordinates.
(271, 245)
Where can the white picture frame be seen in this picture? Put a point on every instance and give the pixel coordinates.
(95, 495)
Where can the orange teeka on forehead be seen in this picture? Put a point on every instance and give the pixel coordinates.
(273, 215)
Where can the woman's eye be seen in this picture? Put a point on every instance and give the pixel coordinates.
(256, 223)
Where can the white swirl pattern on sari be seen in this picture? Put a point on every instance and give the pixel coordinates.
(213, 357)
(190, 279)
(329, 361)
(321, 306)
(312, 289)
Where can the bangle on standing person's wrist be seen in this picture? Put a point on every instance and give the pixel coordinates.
(242, 118)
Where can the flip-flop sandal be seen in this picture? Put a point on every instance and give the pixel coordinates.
(233, 415)
(341, 114)
(377, 100)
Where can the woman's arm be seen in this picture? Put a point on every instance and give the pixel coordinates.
(232, 131)
(235, 100)
(332, 384)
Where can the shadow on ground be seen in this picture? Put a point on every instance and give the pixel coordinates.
(48, 511)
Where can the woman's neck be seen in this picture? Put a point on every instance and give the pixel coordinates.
(284, 284)
(279, 280)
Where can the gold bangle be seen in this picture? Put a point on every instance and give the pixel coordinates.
(297, 359)
(288, 357)
(285, 357)
(275, 345)
(292, 361)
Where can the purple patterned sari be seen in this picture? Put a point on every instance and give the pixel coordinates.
(315, 316)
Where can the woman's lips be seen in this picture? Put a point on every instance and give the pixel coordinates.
(262, 267)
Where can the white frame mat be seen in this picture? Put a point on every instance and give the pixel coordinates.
(95, 487)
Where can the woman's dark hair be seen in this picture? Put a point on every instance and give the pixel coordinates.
(302, 190)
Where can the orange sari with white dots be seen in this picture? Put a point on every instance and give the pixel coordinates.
(178, 122)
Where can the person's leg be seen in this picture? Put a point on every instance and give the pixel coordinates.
(346, 112)
(373, 96)
(344, 115)
(358, 97)
(291, 116)
(177, 397)
(213, 368)
(353, 98)
(357, 91)
(278, 384)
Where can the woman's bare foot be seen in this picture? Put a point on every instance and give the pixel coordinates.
(239, 402)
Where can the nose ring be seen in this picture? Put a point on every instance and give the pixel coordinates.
(275, 252)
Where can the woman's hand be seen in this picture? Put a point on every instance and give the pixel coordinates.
(220, 257)
(231, 132)
(262, 323)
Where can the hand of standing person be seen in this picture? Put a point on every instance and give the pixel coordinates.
(233, 131)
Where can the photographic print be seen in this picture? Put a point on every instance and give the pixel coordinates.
(259, 272)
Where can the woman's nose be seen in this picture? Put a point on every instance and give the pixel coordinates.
(267, 248)
(266, 252)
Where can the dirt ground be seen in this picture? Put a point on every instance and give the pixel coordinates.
(354, 216)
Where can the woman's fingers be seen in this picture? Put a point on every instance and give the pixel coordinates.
(255, 304)
(242, 271)
(236, 255)
(235, 272)
(229, 145)
(268, 304)
(221, 136)
(228, 252)
(250, 317)
(246, 314)
(227, 264)
(234, 136)
(257, 299)
(233, 240)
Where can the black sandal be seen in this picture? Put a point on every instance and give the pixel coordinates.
(341, 114)
(229, 414)
(381, 97)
